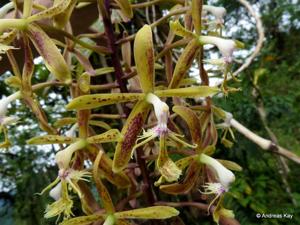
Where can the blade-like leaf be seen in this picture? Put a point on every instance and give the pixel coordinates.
(130, 131)
(144, 58)
(189, 92)
(54, 61)
(98, 100)
(154, 212)
(51, 139)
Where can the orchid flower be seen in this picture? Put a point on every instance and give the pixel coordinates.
(161, 110)
(67, 179)
(218, 12)
(224, 176)
(7, 120)
(166, 166)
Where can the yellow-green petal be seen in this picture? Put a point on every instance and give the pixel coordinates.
(144, 58)
(98, 100)
(154, 212)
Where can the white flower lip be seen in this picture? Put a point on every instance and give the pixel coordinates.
(161, 110)
(225, 46)
(55, 192)
(225, 176)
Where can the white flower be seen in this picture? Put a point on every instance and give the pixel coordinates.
(161, 110)
(63, 157)
(224, 175)
(225, 46)
(66, 180)
(55, 192)
(218, 12)
(72, 131)
(4, 102)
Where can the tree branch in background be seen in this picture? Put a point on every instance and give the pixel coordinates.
(265, 144)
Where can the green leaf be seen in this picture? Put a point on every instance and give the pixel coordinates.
(98, 100)
(154, 212)
(144, 58)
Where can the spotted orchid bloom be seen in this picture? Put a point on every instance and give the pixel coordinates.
(161, 110)
(169, 171)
